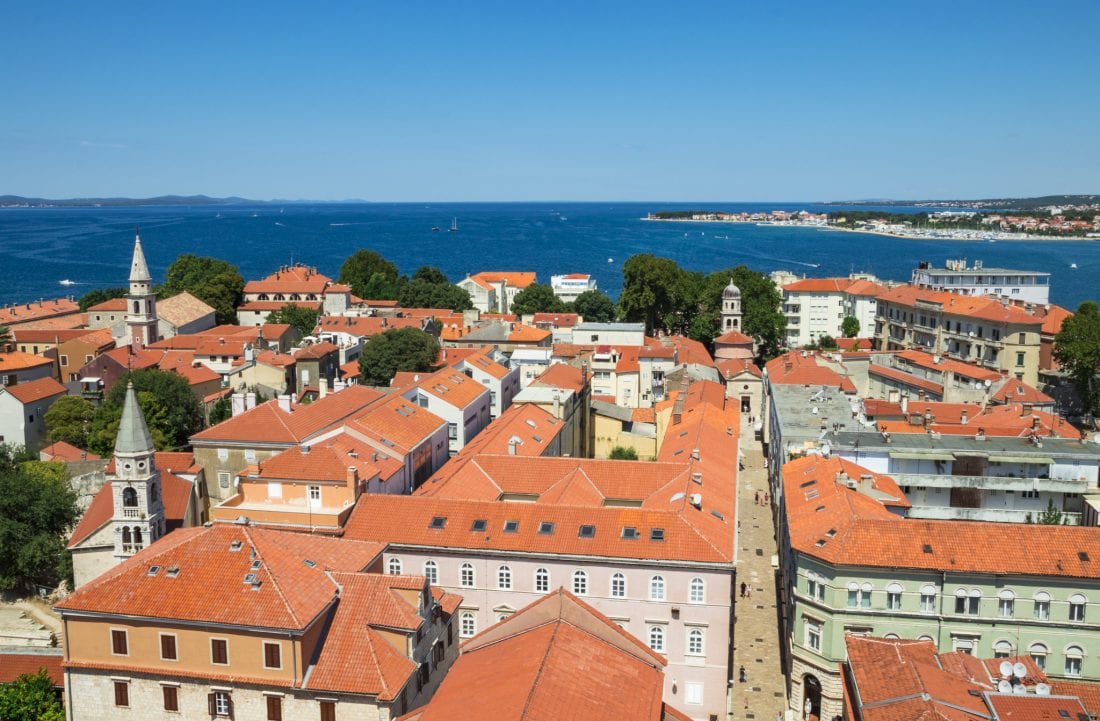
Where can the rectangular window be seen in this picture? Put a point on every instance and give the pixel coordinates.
(65, 360)
(1042, 610)
(171, 698)
(314, 494)
(1076, 611)
(219, 651)
(122, 693)
(1023, 339)
(452, 431)
(223, 479)
(220, 703)
(119, 645)
(223, 454)
(168, 647)
(272, 656)
(328, 711)
(250, 455)
(693, 693)
(928, 603)
(813, 635)
(1005, 607)
(274, 708)
(893, 601)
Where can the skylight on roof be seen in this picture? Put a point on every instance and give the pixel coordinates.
(1083, 555)
(437, 522)
(172, 571)
(587, 531)
(926, 548)
(831, 532)
(511, 526)
(630, 533)
(256, 564)
(546, 528)
(153, 570)
(717, 514)
(656, 534)
(807, 483)
(309, 562)
(478, 525)
(530, 423)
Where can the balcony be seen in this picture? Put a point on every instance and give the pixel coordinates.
(132, 512)
(996, 515)
(992, 483)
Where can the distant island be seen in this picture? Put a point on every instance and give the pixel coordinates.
(18, 201)
(1044, 202)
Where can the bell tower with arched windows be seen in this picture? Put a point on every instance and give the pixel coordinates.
(141, 304)
(731, 308)
(135, 488)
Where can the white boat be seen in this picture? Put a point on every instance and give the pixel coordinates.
(610, 260)
(1071, 265)
(454, 225)
(66, 281)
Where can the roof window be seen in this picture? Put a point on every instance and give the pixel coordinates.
(587, 531)
(807, 484)
(926, 548)
(438, 522)
(478, 525)
(172, 571)
(656, 534)
(820, 542)
(1083, 555)
(717, 514)
(630, 533)
(530, 423)
(250, 578)
(511, 526)
(831, 532)
(309, 562)
(235, 545)
(546, 528)
(154, 570)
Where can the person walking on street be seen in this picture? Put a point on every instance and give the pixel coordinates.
(742, 589)
(741, 675)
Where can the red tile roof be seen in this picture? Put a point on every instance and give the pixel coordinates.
(21, 313)
(795, 369)
(733, 337)
(397, 423)
(177, 496)
(452, 387)
(365, 326)
(18, 361)
(515, 279)
(482, 359)
(14, 665)
(110, 305)
(929, 362)
(29, 392)
(731, 368)
(208, 587)
(975, 306)
(900, 376)
(290, 279)
(560, 375)
(66, 452)
(1014, 391)
(865, 533)
(46, 335)
(854, 344)
(558, 320)
(558, 653)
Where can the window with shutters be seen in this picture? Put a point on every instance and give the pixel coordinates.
(274, 708)
(122, 693)
(168, 647)
(328, 710)
(171, 698)
(220, 703)
(119, 643)
(272, 655)
(219, 651)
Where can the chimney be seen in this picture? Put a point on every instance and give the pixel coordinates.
(905, 405)
(249, 401)
(1025, 409)
(557, 406)
(866, 483)
(323, 387)
(237, 403)
(304, 449)
(1035, 422)
(512, 446)
(695, 453)
(353, 479)
(964, 418)
(284, 402)
(675, 418)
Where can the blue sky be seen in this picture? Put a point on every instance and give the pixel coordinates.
(552, 101)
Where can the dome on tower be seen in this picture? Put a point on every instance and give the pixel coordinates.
(731, 291)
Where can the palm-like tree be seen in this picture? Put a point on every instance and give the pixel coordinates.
(5, 338)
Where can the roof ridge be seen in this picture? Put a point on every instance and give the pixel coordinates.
(374, 659)
(542, 665)
(271, 576)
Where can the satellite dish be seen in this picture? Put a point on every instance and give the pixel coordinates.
(1019, 670)
(1042, 689)
(1006, 668)
(1019, 689)
(987, 383)
(1004, 686)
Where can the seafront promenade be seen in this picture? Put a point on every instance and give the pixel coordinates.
(762, 696)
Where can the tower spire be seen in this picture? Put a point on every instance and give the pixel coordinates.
(133, 433)
(139, 269)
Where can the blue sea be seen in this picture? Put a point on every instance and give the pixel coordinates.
(92, 246)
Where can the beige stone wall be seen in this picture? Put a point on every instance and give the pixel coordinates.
(89, 563)
(832, 688)
(234, 462)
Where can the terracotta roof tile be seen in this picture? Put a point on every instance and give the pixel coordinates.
(13, 665)
(21, 313)
(975, 306)
(560, 375)
(182, 308)
(904, 378)
(516, 279)
(732, 368)
(29, 392)
(110, 305)
(733, 337)
(558, 320)
(66, 452)
(397, 422)
(452, 387)
(795, 369)
(18, 361)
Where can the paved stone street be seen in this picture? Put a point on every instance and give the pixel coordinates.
(762, 696)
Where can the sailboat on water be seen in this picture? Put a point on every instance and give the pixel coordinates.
(454, 224)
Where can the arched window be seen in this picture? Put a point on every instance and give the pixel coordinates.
(893, 596)
(129, 497)
(968, 602)
(657, 588)
(618, 586)
(892, 637)
(928, 599)
(152, 491)
(695, 642)
(580, 583)
(1042, 606)
(1006, 603)
(542, 580)
(1038, 653)
(929, 639)
(1002, 649)
(1077, 607)
(657, 638)
(504, 578)
(859, 596)
(393, 566)
(697, 591)
(1074, 654)
(431, 572)
(126, 538)
(137, 306)
(137, 538)
(466, 576)
(467, 624)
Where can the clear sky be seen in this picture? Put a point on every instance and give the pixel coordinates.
(408, 100)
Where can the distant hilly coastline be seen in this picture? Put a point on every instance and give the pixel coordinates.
(1041, 202)
(18, 201)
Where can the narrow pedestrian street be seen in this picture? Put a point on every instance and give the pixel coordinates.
(762, 694)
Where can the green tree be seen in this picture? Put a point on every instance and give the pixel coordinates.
(171, 411)
(1077, 350)
(69, 419)
(99, 295)
(536, 298)
(398, 349)
(849, 327)
(431, 288)
(221, 410)
(215, 282)
(6, 338)
(37, 508)
(594, 306)
(621, 453)
(826, 342)
(370, 275)
(657, 292)
(1051, 516)
(303, 319)
(31, 697)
